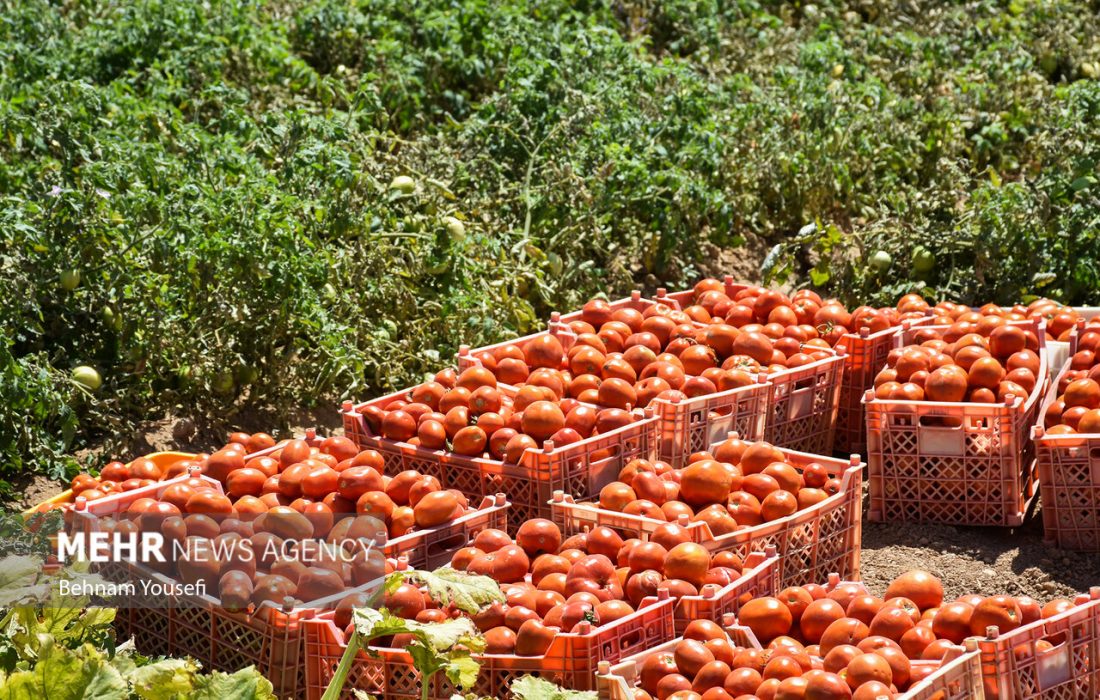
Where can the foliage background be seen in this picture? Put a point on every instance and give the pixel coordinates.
(219, 175)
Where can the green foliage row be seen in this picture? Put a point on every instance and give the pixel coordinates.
(220, 176)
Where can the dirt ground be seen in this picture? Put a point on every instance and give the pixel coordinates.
(976, 559)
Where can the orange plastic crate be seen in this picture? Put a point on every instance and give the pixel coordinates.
(421, 549)
(803, 406)
(686, 426)
(197, 626)
(617, 680)
(959, 678)
(760, 577)
(956, 678)
(1013, 669)
(980, 472)
(866, 355)
(692, 425)
(585, 466)
(571, 661)
(1069, 480)
(812, 543)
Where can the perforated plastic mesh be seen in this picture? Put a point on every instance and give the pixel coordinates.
(571, 661)
(866, 355)
(1068, 469)
(954, 463)
(803, 407)
(1013, 668)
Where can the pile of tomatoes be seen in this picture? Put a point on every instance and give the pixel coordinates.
(983, 359)
(1059, 319)
(625, 358)
(116, 477)
(836, 644)
(570, 585)
(263, 539)
(468, 414)
(802, 315)
(736, 485)
(1077, 406)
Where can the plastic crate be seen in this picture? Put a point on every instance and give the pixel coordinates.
(1068, 467)
(585, 466)
(433, 548)
(760, 577)
(803, 406)
(959, 677)
(1013, 669)
(422, 549)
(980, 472)
(865, 355)
(811, 543)
(692, 425)
(571, 661)
(687, 425)
(1059, 350)
(161, 459)
(197, 626)
(617, 680)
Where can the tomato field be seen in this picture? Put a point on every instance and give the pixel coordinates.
(684, 350)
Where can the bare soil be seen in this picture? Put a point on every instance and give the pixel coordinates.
(979, 560)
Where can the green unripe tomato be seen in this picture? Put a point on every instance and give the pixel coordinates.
(87, 377)
(403, 184)
(881, 261)
(923, 259)
(222, 382)
(70, 279)
(456, 230)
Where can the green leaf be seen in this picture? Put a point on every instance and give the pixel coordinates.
(467, 592)
(246, 684)
(463, 671)
(438, 635)
(1082, 183)
(64, 674)
(19, 580)
(163, 680)
(535, 688)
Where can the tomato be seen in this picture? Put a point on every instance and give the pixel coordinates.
(921, 587)
(435, 508)
(533, 638)
(846, 630)
(705, 482)
(208, 502)
(767, 617)
(1000, 611)
(245, 482)
(538, 536)
(114, 471)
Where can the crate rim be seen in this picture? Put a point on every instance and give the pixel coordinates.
(1020, 404)
(849, 471)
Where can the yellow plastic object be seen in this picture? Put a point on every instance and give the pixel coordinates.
(164, 460)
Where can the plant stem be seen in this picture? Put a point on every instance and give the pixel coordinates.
(336, 685)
